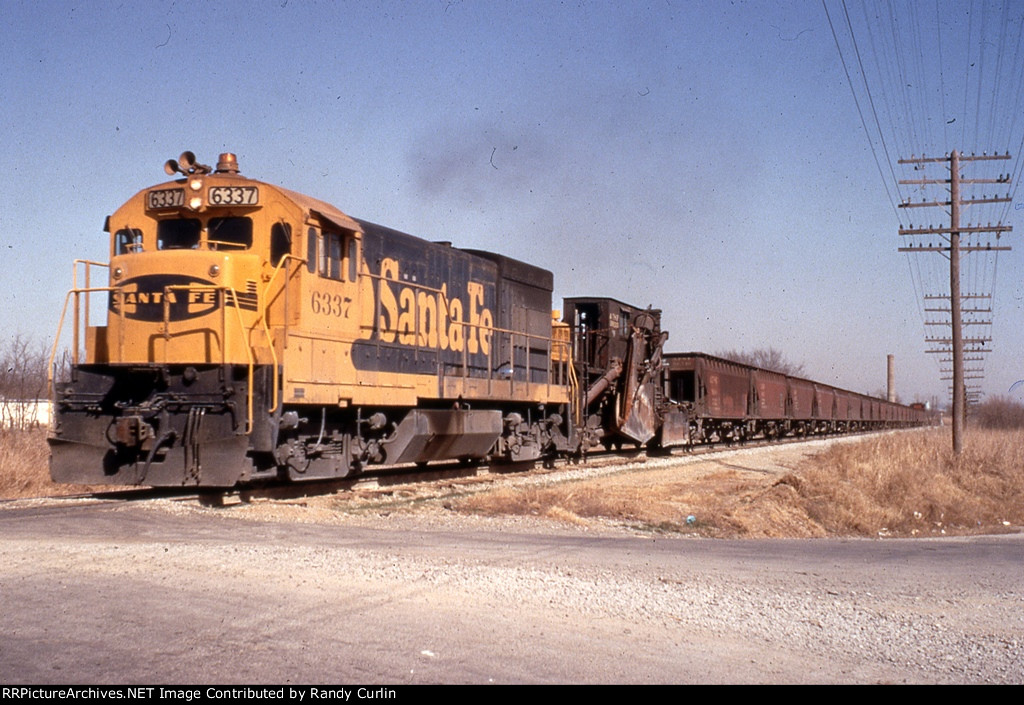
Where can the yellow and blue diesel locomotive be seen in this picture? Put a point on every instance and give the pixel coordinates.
(252, 332)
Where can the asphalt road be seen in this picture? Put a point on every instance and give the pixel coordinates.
(147, 592)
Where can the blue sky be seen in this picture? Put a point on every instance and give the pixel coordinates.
(706, 158)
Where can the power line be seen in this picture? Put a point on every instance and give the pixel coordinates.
(914, 64)
(860, 112)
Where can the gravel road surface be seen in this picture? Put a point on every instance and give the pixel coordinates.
(164, 591)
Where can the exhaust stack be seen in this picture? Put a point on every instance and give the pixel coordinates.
(891, 378)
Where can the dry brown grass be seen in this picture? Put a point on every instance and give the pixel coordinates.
(723, 501)
(906, 484)
(24, 460)
(25, 467)
(913, 484)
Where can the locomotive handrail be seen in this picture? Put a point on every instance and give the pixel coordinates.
(223, 332)
(264, 296)
(60, 326)
(446, 302)
(211, 245)
(574, 385)
(74, 285)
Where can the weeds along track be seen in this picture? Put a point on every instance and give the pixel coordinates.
(440, 480)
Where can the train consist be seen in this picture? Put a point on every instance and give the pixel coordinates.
(253, 333)
(730, 400)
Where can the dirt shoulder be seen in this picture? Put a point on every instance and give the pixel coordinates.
(895, 484)
(891, 484)
(171, 591)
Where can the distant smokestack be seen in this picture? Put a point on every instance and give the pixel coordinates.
(891, 377)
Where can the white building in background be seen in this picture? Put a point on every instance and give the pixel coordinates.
(22, 414)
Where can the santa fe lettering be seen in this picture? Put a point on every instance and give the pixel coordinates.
(432, 319)
(157, 297)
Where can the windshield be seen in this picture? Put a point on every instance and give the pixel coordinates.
(233, 232)
(186, 233)
(178, 234)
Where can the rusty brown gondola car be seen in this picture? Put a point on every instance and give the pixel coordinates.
(730, 401)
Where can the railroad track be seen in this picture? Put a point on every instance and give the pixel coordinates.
(454, 478)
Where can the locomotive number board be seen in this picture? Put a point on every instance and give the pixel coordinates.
(165, 198)
(234, 196)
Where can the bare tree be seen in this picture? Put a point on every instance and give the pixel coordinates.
(765, 358)
(23, 364)
(883, 393)
(999, 412)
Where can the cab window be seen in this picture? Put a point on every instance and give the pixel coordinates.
(128, 240)
(624, 324)
(311, 250)
(330, 256)
(178, 234)
(280, 242)
(352, 259)
(230, 232)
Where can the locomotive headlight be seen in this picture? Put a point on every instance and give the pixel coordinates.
(196, 202)
(214, 270)
(117, 273)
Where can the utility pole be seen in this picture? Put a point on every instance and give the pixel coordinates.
(955, 203)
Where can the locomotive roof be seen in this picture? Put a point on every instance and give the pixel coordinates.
(321, 208)
(606, 300)
(312, 206)
(511, 268)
